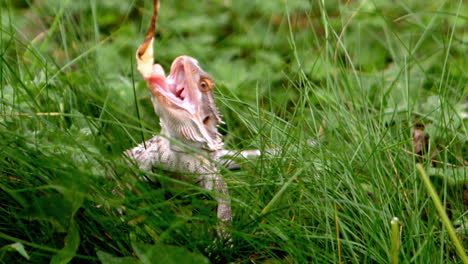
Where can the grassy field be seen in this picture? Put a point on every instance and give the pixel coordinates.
(353, 94)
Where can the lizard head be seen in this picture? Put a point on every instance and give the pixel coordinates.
(183, 99)
(185, 104)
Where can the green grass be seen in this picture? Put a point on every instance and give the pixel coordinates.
(353, 78)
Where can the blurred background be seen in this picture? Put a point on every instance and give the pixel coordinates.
(378, 85)
(251, 47)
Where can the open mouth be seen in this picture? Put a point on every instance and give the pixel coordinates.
(177, 87)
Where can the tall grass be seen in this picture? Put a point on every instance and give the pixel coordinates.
(335, 88)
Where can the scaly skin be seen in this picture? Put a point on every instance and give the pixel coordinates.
(192, 167)
(193, 125)
(184, 102)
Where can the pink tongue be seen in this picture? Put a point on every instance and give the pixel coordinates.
(157, 79)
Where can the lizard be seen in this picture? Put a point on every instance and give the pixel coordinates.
(184, 102)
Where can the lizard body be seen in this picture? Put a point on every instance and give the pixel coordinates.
(184, 102)
(194, 168)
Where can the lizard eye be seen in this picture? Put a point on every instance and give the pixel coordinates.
(206, 84)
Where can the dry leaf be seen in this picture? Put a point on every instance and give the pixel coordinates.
(420, 139)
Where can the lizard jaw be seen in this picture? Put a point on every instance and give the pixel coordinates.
(177, 90)
(184, 102)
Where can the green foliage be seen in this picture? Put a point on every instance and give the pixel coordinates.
(18, 247)
(107, 258)
(154, 254)
(72, 241)
(335, 88)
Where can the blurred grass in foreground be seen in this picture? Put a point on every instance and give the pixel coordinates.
(378, 85)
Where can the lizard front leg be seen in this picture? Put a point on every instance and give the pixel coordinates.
(214, 182)
(208, 177)
(153, 152)
(157, 152)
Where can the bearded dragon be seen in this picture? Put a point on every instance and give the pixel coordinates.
(184, 102)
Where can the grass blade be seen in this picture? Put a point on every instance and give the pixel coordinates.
(443, 215)
(394, 256)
